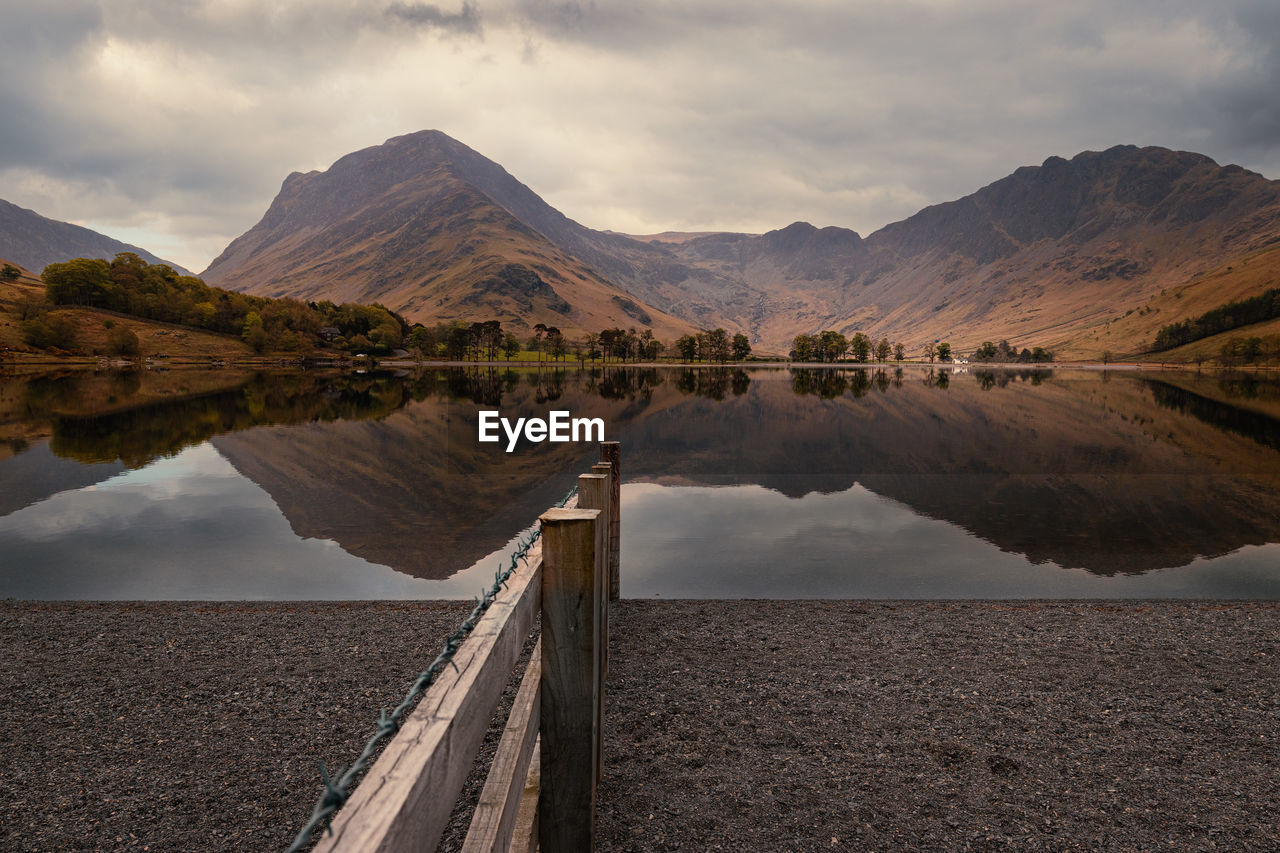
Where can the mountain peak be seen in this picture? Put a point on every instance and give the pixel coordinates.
(430, 228)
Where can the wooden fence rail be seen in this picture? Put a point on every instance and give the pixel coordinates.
(541, 790)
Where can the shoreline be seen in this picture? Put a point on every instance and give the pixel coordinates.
(13, 364)
(736, 725)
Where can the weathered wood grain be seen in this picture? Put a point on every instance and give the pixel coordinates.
(494, 819)
(404, 801)
(611, 452)
(570, 678)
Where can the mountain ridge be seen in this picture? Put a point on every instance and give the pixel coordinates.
(31, 240)
(426, 226)
(1049, 255)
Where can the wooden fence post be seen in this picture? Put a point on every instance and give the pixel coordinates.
(611, 452)
(593, 493)
(570, 679)
(606, 469)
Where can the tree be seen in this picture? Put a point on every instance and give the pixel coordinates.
(802, 348)
(930, 351)
(457, 340)
(860, 347)
(122, 341)
(510, 346)
(883, 350)
(831, 346)
(386, 335)
(535, 342)
(10, 273)
(80, 281)
(606, 343)
(556, 344)
(687, 346)
(741, 347)
(48, 331)
(253, 332)
(1230, 351)
(986, 352)
(717, 345)
(644, 344)
(592, 346)
(1251, 348)
(424, 342)
(944, 351)
(899, 352)
(1107, 357)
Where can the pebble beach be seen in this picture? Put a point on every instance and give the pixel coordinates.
(731, 725)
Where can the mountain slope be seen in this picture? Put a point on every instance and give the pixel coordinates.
(1042, 256)
(1055, 255)
(34, 241)
(426, 226)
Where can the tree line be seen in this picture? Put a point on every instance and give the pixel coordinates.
(129, 285)
(1003, 353)
(477, 341)
(1224, 318)
(714, 345)
(831, 346)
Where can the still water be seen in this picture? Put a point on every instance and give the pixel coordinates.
(851, 482)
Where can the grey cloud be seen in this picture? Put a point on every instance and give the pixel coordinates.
(701, 114)
(426, 14)
(1245, 110)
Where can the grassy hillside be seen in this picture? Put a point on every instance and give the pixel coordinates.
(1131, 334)
(92, 327)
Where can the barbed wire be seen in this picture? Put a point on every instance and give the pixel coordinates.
(337, 790)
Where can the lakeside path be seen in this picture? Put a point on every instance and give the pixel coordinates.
(733, 725)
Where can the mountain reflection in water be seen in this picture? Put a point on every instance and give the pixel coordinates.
(1113, 473)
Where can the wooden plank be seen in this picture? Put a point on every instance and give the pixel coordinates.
(606, 469)
(525, 837)
(495, 814)
(593, 493)
(611, 452)
(405, 799)
(567, 797)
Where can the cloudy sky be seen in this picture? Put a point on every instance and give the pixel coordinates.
(171, 123)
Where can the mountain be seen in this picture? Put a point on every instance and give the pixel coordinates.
(1083, 255)
(34, 241)
(428, 227)
(1047, 255)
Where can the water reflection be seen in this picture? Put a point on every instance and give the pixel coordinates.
(1117, 474)
(752, 542)
(1226, 416)
(234, 544)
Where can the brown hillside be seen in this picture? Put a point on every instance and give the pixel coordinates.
(1078, 255)
(406, 225)
(93, 326)
(1136, 328)
(1043, 256)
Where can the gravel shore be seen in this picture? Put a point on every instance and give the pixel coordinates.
(732, 725)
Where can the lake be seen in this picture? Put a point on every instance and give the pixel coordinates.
(845, 482)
